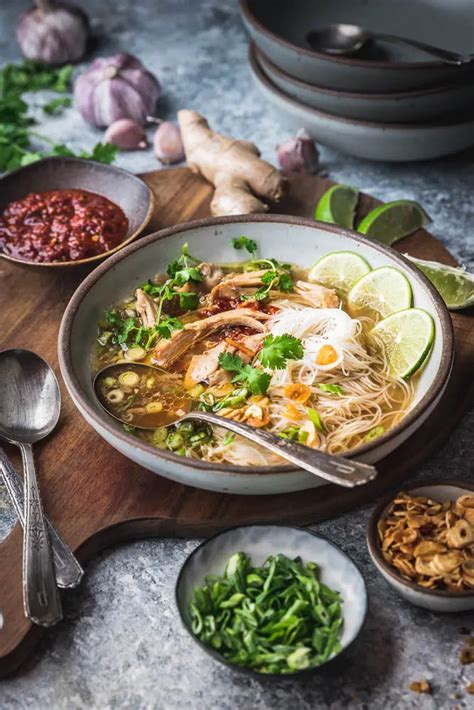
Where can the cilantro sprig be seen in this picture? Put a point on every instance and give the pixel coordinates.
(245, 243)
(16, 134)
(277, 276)
(277, 349)
(256, 380)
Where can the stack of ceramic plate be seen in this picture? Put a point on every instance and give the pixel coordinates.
(388, 102)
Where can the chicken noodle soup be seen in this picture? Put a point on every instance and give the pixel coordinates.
(255, 342)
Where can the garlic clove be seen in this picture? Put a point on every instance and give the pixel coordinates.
(53, 32)
(116, 87)
(298, 154)
(126, 134)
(167, 143)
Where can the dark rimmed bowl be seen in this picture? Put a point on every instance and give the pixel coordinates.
(279, 236)
(432, 599)
(370, 140)
(338, 571)
(279, 29)
(395, 106)
(121, 187)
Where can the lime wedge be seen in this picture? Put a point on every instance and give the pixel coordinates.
(384, 290)
(393, 220)
(337, 205)
(339, 270)
(455, 285)
(406, 337)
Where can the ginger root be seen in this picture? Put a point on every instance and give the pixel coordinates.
(239, 175)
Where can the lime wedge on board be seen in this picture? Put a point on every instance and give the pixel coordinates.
(406, 337)
(338, 205)
(339, 270)
(393, 220)
(455, 285)
(384, 290)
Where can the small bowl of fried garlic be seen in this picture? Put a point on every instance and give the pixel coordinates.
(422, 542)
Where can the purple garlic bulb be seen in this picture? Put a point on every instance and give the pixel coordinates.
(116, 87)
(53, 32)
(298, 154)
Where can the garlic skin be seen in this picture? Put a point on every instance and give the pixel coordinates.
(116, 87)
(53, 32)
(299, 154)
(126, 134)
(167, 143)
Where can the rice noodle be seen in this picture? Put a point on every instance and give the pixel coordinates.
(370, 397)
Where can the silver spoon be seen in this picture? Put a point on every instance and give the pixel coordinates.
(345, 39)
(30, 403)
(335, 469)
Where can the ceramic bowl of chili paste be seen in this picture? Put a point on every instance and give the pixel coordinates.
(69, 211)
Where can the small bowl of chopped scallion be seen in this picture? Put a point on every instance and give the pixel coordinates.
(271, 600)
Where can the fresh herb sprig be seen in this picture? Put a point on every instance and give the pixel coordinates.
(278, 349)
(16, 132)
(275, 618)
(181, 271)
(277, 276)
(249, 245)
(255, 379)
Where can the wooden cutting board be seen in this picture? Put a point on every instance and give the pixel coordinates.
(96, 497)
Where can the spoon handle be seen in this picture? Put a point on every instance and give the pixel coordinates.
(446, 55)
(40, 594)
(335, 469)
(68, 570)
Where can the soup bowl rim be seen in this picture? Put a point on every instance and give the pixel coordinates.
(100, 419)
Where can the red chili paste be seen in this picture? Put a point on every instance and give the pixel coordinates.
(61, 225)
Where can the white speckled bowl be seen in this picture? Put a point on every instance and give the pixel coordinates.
(435, 599)
(338, 571)
(392, 142)
(288, 239)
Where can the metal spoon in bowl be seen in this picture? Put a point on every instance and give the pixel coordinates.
(340, 39)
(335, 469)
(29, 410)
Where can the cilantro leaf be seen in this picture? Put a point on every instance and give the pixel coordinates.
(188, 301)
(190, 273)
(55, 107)
(332, 389)
(245, 243)
(166, 326)
(255, 379)
(277, 349)
(101, 152)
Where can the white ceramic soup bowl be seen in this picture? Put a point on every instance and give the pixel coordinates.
(288, 239)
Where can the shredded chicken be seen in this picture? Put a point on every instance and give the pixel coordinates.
(211, 275)
(316, 296)
(234, 285)
(146, 308)
(201, 367)
(168, 351)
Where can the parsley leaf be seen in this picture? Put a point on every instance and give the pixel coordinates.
(332, 389)
(245, 243)
(255, 379)
(101, 152)
(55, 107)
(188, 301)
(166, 326)
(277, 349)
